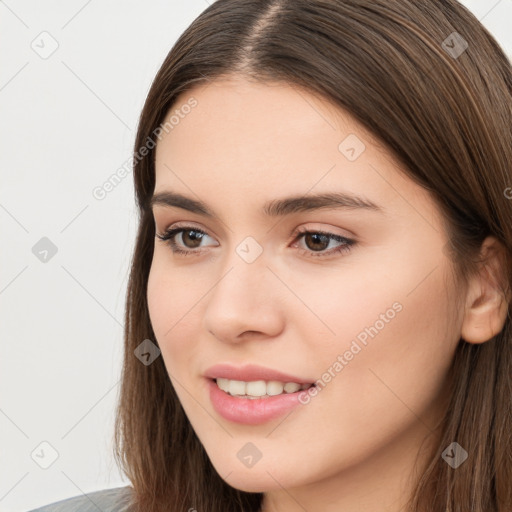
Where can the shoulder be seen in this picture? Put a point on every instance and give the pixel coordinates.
(106, 500)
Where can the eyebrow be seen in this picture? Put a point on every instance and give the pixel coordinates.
(275, 207)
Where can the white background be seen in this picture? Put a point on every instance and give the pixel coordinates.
(68, 123)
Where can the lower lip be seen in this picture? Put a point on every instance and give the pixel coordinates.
(251, 411)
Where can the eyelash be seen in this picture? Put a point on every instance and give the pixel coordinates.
(168, 238)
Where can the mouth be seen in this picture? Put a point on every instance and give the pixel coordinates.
(260, 389)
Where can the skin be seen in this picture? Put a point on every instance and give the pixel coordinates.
(354, 445)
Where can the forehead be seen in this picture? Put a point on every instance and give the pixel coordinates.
(279, 116)
(264, 140)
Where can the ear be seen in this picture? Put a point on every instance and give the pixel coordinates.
(486, 307)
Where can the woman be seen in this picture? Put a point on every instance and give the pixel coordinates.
(318, 311)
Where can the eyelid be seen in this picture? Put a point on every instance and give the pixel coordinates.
(301, 229)
(181, 224)
(185, 226)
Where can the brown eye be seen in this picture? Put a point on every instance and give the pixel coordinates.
(316, 241)
(191, 239)
(194, 241)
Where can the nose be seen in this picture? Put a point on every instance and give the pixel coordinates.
(244, 302)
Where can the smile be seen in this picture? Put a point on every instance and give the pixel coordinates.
(259, 388)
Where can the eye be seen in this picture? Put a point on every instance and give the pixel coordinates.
(194, 235)
(316, 241)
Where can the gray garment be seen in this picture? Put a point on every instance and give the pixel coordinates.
(107, 500)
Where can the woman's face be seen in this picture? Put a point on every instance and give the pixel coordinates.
(372, 321)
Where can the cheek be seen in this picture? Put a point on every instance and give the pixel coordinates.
(159, 299)
(172, 301)
(359, 301)
(396, 359)
(401, 294)
(166, 294)
(392, 331)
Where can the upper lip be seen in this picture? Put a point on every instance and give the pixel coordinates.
(251, 372)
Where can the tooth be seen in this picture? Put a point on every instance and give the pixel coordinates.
(274, 388)
(291, 387)
(259, 388)
(223, 384)
(236, 387)
(256, 388)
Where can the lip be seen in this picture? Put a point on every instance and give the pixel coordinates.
(245, 410)
(251, 372)
(251, 412)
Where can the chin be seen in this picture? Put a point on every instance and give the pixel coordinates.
(248, 481)
(260, 477)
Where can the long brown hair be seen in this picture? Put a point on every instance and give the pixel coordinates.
(402, 69)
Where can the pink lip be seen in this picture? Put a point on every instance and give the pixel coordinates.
(251, 412)
(245, 410)
(252, 372)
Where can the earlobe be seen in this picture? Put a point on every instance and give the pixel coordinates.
(486, 307)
